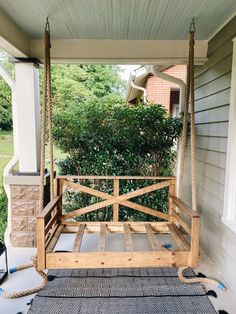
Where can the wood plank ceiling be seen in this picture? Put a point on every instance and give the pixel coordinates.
(119, 19)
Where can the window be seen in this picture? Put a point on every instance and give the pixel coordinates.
(229, 214)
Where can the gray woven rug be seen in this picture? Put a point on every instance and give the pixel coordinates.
(120, 291)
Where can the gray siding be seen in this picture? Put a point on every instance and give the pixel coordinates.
(212, 93)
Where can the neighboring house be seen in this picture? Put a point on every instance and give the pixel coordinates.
(158, 90)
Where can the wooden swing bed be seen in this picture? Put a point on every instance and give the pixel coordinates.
(51, 223)
(180, 222)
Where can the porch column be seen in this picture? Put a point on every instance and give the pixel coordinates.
(24, 185)
(28, 116)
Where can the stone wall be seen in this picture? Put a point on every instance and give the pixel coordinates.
(24, 207)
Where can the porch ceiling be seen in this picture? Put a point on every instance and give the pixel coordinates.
(112, 31)
(119, 19)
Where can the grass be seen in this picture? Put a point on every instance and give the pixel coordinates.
(6, 153)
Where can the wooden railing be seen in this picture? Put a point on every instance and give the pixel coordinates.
(116, 199)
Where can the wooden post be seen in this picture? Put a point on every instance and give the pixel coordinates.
(116, 192)
(59, 192)
(172, 191)
(41, 244)
(195, 241)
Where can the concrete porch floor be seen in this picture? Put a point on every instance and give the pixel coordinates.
(28, 278)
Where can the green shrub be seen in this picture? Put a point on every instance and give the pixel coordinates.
(3, 213)
(106, 139)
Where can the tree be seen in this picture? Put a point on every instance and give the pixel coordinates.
(73, 84)
(5, 96)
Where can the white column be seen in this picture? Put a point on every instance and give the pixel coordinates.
(28, 116)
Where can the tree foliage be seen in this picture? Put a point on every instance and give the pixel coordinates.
(5, 96)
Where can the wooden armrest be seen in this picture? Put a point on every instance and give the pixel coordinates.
(50, 206)
(181, 205)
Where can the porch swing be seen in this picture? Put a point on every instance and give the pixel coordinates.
(180, 223)
(52, 222)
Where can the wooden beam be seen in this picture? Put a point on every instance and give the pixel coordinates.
(180, 221)
(116, 259)
(50, 206)
(151, 235)
(195, 241)
(182, 206)
(179, 238)
(121, 51)
(102, 238)
(116, 192)
(88, 209)
(128, 238)
(79, 237)
(71, 177)
(12, 39)
(115, 227)
(41, 244)
(145, 210)
(54, 239)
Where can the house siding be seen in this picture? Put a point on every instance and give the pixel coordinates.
(212, 94)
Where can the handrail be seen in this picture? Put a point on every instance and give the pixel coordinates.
(180, 204)
(49, 207)
(117, 177)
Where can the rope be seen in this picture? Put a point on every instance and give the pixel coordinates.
(189, 96)
(192, 123)
(13, 295)
(212, 282)
(46, 116)
(184, 139)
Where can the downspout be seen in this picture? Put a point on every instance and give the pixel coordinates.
(154, 70)
(139, 88)
(8, 168)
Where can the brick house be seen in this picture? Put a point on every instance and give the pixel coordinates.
(158, 90)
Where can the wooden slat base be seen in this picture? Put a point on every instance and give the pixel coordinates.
(128, 258)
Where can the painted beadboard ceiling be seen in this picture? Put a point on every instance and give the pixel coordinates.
(119, 19)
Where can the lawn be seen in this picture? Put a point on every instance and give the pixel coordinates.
(6, 153)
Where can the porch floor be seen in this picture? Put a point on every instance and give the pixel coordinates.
(28, 278)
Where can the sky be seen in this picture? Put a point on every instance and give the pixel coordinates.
(126, 69)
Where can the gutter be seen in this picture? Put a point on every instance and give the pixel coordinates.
(138, 87)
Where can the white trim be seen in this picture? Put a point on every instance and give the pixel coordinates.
(12, 39)
(222, 25)
(229, 213)
(120, 51)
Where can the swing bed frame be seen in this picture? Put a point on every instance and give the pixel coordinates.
(180, 222)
